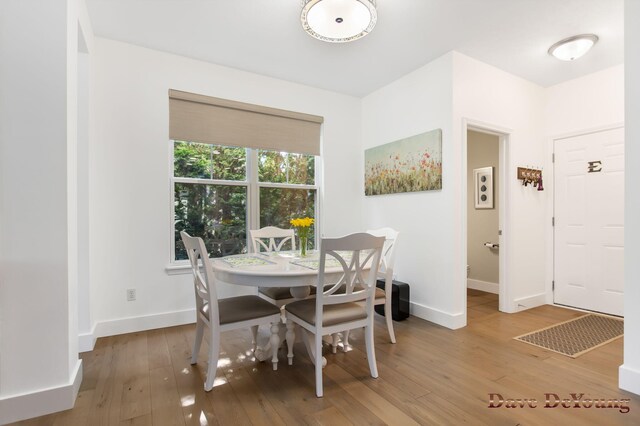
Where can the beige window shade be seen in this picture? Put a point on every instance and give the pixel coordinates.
(205, 119)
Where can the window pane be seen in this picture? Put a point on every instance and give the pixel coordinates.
(192, 160)
(272, 166)
(229, 163)
(216, 213)
(301, 169)
(204, 161)
(279, 205)
(282, 167)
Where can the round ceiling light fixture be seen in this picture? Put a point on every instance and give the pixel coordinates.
(338, 21)
(573, 47)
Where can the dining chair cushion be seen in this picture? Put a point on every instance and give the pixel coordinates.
(276, 293)
(280, 293)
(242, 308)
(332, 314)
(380, 294)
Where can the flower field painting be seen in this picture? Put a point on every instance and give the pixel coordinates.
(406, 165)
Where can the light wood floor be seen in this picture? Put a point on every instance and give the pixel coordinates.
(432, 376)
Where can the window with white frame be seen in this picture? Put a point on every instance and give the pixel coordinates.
(220, 192)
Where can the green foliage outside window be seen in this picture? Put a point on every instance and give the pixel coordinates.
(204, 161)
(216, 213)
(279, 205)
(282, 167)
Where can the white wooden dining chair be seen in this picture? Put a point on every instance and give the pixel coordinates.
(385, 272)
(224, 314)
(273, 239)
(383, 297)
(333, 310)
(276, 238)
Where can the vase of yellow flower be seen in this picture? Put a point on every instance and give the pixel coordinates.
(302, 226)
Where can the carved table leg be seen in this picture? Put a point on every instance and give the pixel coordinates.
(291, 338)
(275, 343)
(300, 293)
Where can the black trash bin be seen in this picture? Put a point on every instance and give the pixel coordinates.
(399, 300)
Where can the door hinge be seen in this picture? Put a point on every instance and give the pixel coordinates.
(553, 221)
(553, 157)
(553, 285)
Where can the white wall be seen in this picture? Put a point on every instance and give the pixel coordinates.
(485, 94)
(416, 103)
(630, 371)
(130, 172)
(39, 367)
(585, 103)
(85, 138)
(84, 293)
(72, 116)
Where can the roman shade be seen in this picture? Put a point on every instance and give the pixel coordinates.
(205, 119)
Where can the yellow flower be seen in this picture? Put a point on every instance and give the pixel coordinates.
(304, 222)
(303, 227)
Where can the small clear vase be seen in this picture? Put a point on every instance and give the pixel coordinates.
(303, 245)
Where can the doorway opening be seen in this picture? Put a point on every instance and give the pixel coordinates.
(485, 208)
(483, 223)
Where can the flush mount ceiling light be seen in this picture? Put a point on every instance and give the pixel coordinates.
(338, 21)
(573, 47)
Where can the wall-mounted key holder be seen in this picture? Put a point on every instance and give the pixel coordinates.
(530, 176)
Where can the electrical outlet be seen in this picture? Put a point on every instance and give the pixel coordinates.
(131, 294)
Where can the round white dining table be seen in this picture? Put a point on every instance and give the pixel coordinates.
(282, 269)
(274, 269)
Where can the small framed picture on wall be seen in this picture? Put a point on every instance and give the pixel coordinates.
(483, 179)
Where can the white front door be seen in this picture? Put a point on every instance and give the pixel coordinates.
(589, 221)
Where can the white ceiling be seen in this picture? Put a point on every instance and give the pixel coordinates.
(265, 37)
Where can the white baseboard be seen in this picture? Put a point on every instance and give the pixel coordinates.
(629, 379)
(87, 341)
(41, 402)
(146, 322)
(529, 302)
(483, 286)
(445, 319)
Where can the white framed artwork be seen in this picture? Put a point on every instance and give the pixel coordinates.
(483, 180)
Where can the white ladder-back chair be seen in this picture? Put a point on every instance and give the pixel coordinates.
(386, 272)
(382, 297)
(271, 234)
(273, 239)
(333, 310)
(224, 314)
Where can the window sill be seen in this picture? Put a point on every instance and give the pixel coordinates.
(178, 269)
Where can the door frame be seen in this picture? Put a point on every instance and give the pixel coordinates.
(504, 209)
(550, 186)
